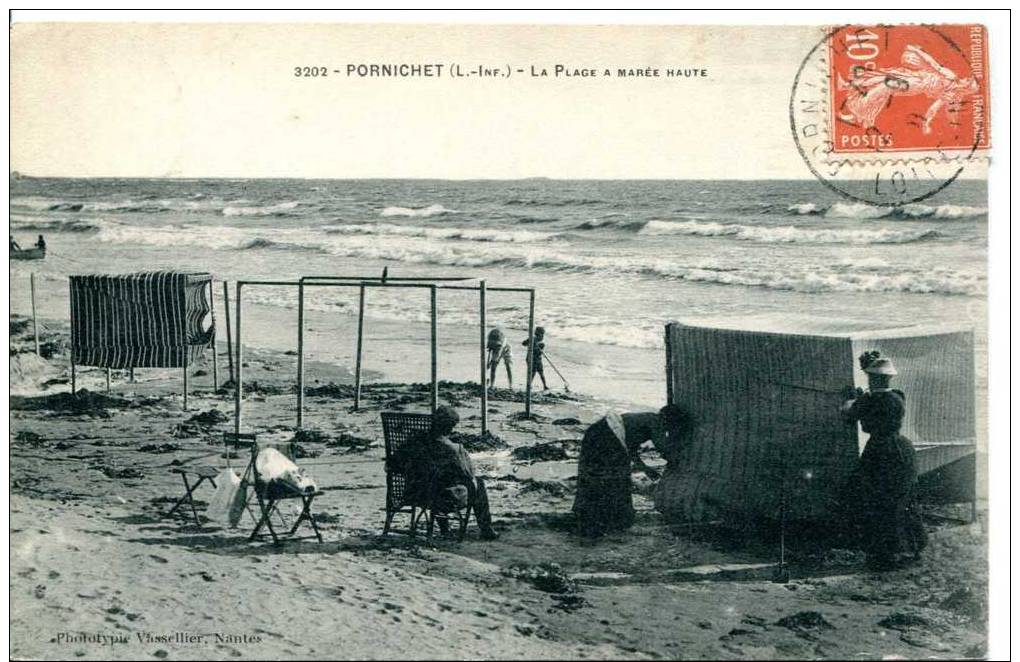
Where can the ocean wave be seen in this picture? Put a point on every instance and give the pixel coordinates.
(423, 212)
(788, 234)
(22, 224)
(279, 209)
(942, 211)
(797, 276)
(466, 234)
(595, 329)
(611, 222)
(806, 208)
(145, 204)
(861, 210)
(554, 202)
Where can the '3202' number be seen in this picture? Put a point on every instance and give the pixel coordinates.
(310, 72)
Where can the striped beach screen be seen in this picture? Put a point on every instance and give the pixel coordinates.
(141, 320)
(766, 391)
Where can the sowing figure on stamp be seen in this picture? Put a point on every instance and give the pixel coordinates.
(870, 91)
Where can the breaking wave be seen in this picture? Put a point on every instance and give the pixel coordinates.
(466, 234)
(788, 234)
(279, 209)
(796, 276)
(20, 224)
(193, 204)
(906, 212)
(423, 212)
(613, 222)
(561, 202)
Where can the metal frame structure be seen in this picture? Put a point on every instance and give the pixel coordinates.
(363, 283)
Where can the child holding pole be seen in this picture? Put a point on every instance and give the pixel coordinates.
(535, 356)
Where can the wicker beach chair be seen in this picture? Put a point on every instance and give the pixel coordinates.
(269, 494)
(400, 431)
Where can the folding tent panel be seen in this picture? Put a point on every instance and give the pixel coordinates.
(765, 393)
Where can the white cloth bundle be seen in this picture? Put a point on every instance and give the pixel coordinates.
(272, 465)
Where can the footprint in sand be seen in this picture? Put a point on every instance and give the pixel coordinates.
(39, 591)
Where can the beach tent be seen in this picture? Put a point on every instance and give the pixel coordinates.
(766, 391)
(141, 320)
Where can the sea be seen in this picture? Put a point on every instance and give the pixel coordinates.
(610, 261)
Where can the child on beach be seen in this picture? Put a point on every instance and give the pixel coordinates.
(535, 356)
(499, 350)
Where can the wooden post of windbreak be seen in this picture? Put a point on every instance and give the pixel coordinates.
(482, 381)
(239, 383)
(74, 368)
(300, 354)
(185, 370)
(531, 353)
(670, 395)
(435, 349)
(230, 342)
(361, 344)
(35, 321)
(212, 341)
(107, 380)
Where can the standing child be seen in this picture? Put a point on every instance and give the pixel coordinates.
(499, 350)
(535, 356)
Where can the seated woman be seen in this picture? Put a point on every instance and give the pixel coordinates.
(442, 470)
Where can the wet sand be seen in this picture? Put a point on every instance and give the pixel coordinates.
(99, 571)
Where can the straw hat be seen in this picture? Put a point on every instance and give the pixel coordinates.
(881, 367)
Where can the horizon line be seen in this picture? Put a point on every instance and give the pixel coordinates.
(15, 175)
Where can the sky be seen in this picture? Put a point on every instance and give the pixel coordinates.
(222, 100)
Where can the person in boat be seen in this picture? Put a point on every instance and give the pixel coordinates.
(535, 356)
(442, 473)
(14, 244)
(41, 243)
(886, 476)
(499, 352)
(610, 449)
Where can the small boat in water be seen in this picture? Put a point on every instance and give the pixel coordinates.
(28, 253)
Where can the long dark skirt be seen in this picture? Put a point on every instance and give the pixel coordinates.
(889, 521)
(603, 502)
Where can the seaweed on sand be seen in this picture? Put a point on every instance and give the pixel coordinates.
(547, 577)
(84, 402)
(343, 440)
(474, 443)
(549, 451)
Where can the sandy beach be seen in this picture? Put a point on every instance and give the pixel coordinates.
(99, 571)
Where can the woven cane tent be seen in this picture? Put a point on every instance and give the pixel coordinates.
(140, 320)
(766, 392)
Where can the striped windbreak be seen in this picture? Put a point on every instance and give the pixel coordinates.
(141, 320)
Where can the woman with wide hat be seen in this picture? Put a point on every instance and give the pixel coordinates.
(887, 473)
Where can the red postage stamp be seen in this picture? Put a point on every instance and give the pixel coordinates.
(898, 88)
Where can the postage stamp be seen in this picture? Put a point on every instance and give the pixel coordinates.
(892, 114)
(908, 88)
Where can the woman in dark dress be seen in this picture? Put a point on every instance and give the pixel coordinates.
(887, 473)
